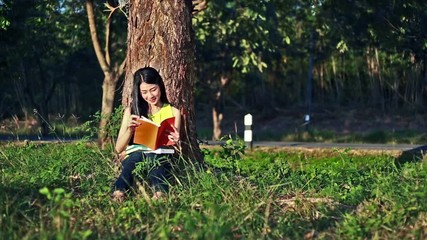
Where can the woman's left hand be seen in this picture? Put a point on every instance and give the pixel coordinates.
(174, 136)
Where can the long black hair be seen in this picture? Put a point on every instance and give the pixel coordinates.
(147, 75)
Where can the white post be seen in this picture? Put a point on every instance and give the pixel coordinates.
(307, 118)
(248, 131)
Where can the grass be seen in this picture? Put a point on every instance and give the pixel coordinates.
(61, 129)
(63, 191)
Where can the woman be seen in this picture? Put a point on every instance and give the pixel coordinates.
(148, 100)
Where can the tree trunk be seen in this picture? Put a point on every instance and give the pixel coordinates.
(372, 81)
(108, 94)
(336, 82)
(217, 116)
(380, 80)
(112, 72)
(424, 77)
(160, 35)
(322, 82)
(218, 108)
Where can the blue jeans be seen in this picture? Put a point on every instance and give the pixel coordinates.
(157, 174)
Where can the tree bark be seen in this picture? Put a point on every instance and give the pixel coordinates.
(160, 36)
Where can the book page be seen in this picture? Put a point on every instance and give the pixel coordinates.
(146, 134)
(164, 130)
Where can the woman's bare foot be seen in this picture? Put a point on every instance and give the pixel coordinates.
(158, 195)
(119, 196)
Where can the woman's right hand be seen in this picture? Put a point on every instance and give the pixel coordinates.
(133, 122)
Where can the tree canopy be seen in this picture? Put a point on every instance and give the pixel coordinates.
(365, 53)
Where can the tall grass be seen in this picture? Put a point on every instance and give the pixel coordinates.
(63, 191)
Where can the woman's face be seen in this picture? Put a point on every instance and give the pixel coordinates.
(150, 93)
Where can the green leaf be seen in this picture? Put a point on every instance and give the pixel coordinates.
(287, 40)
(45, 191)
(85, 234)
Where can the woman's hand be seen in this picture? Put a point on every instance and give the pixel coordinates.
(133, 123)
(174, 136)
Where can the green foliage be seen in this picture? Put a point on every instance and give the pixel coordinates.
(48, 59)
(34, 42)
(63, 191)
(237, 39)
(231, 153)
(60, 212)
(91, 127)
(4, 22)
(372, 57)
(233, 20)
(72, 170)
(232, 150)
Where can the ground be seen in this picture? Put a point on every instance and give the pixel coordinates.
(283, 122)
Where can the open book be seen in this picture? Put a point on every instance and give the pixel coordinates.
(153, 135)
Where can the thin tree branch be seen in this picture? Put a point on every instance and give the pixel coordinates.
(97, 47)
(107, 41)
(122, 67)
(199, 5)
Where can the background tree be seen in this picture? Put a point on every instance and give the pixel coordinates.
(373, 44)
(112, 69)
(253, 56)
(4, 22)
(235, 39)
(160, 36)
(37, 45)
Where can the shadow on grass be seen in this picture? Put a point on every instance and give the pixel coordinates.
(18, 192)
(18, 201)
(412, 155)
(22, 192)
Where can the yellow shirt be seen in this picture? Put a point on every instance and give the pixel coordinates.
(164, 113)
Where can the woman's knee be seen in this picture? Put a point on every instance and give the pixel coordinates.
(132, 159)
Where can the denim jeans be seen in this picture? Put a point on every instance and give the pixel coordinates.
(158, 172)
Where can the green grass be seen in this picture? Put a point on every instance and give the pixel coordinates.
(63, 191)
